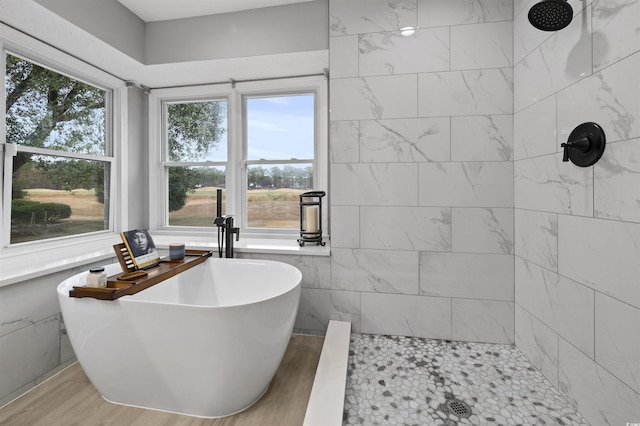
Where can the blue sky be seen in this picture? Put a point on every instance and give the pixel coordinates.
(279, 128)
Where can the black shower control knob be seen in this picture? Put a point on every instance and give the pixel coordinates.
(585, 145)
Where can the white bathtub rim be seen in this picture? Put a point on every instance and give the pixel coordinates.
(125, 299)
(67, 285)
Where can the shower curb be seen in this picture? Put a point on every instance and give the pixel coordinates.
(326, 402)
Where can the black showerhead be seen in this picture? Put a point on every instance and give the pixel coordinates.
(551, 15)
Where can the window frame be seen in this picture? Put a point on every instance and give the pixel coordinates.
(236, 165)
(165, 152)
(245, 162)
(23, 46)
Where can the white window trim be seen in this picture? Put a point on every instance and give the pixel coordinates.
(236, 146)
(20, 44)
(157, 141)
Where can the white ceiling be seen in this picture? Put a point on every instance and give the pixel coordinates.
(162, 10)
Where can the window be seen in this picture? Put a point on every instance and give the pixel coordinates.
(196, 151)
(262, 144)
(280, 158)
(59, 165)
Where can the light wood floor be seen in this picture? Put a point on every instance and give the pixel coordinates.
(69, 399)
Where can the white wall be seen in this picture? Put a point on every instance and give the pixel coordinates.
(577, 267)
(289, 28)
(137, 149)
(108, 20)
(268, 42)
(283, 29)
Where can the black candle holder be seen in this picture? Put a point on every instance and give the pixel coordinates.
(311, 218)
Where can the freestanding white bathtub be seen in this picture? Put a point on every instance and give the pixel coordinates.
(206, 342)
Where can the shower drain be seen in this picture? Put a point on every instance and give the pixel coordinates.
(459, 408)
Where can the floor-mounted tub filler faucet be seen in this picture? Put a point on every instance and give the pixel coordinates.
(225, 229)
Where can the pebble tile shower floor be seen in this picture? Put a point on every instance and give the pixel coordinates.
(397, 380)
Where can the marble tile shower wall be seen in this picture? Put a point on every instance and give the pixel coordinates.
(33, 340)
(421, 146)
(577, 230)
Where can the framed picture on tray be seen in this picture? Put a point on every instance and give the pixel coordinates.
(141, 248)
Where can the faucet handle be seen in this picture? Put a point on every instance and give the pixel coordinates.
(565, 155)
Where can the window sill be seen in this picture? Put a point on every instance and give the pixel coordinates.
(246, 245)
(22, 266)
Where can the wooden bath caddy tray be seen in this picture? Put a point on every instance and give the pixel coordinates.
(131, 282)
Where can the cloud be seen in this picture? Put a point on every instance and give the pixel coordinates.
(265, 125)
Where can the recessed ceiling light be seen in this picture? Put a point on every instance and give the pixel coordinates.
(407, 31)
